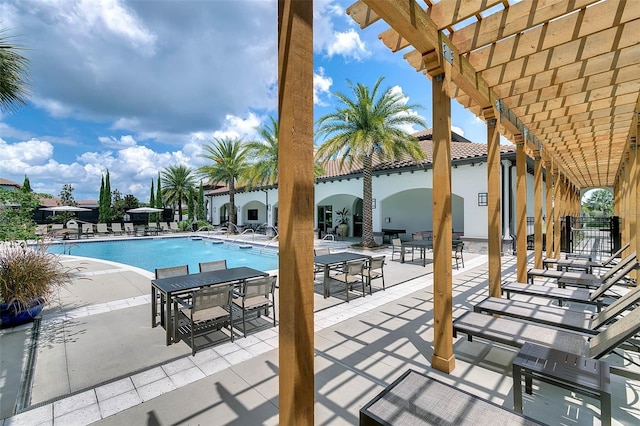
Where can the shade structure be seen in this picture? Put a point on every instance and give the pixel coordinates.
(145, 210)
(66, 209)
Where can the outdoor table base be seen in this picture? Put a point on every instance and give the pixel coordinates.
(573, 372)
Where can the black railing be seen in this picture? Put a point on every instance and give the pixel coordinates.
(594, 236)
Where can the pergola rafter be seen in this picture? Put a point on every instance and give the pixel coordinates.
(567, 70)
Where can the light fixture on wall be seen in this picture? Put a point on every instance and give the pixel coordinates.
(373, 203)
(482, 199)
(214, 209)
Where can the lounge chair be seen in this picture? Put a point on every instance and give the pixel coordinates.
(578, 278)
(174, 227)
(584, 264)
(41, 230)
(164, 226)
(554, 316)
(581, 295)
(116, 228)
(102, 229)
(129, 229)
(514, 332)
(87, 230)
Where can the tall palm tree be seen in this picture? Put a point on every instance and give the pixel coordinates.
(13, 75)
(229, 165)
(176, 182)
(264, 169)
(365, 128)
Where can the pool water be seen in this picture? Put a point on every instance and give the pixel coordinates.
(150, 254)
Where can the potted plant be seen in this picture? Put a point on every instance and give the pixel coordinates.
(28, 277)
(343, 221)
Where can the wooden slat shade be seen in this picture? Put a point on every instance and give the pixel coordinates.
(567, 70)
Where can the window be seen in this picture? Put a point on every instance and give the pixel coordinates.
(252, 214)
(482, 199)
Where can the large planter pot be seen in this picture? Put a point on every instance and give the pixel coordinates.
(15, 314)
(344, 229)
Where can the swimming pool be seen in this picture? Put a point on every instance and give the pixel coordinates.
(150, 254)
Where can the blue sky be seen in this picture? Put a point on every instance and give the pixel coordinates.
(134, 87)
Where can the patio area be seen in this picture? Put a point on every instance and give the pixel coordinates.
(98, 359)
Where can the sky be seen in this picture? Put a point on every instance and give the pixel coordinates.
(133, 87)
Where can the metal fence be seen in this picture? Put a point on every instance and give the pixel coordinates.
(594, 236)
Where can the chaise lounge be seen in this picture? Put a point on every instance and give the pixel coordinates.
(580, 295)
(554, 316)
(514, 332)
(578, 278)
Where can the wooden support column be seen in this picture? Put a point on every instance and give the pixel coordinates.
(521, 209)
(549, 209)
(537, 207)
(557, 196)
(636, 140)
(443, 358)
(625, 203)
(493, 203)
(633, 201)
(296, 207)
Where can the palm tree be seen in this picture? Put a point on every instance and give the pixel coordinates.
(229, 165)
(264, 170)
(13, 75)
(176, 182)
(367, 128)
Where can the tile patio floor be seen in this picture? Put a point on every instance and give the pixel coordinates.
(98, 359)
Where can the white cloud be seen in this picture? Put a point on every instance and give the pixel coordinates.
(331, 40)
(321, 87)
(348, 44)
(113, 142)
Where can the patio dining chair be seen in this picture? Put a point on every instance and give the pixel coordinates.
(375, 270)
(255, 296)
(457, 254)
(208, 311)
(171, 271)
(400, 249)
(353, 273)
(214, 265)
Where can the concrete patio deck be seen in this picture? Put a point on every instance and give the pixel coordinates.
(98, 360)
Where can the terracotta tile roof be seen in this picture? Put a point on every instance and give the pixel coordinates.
(461, 150)
(7, 182)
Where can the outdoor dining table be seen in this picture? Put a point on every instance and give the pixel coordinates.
(335, 259)
(422, 245)
(168, 287)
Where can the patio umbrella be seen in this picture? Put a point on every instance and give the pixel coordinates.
(146, 210)
(66, 209)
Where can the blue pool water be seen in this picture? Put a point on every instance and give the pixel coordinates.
(150, 254)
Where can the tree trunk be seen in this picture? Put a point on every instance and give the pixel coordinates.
(232, 203)
(367, 213)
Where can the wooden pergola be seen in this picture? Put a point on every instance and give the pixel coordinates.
(558, 78)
